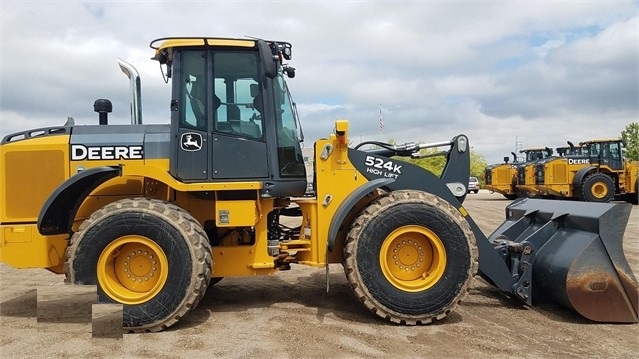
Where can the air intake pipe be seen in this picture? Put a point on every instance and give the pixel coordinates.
(103, 107)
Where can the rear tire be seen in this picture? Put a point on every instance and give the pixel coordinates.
(150, 256)
(410, 257)
(598, 187)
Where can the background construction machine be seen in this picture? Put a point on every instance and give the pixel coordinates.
(525, 180)
(596, 174)
(153, 214)
(502, 178)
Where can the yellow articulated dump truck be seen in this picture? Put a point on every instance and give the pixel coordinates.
(152, 214)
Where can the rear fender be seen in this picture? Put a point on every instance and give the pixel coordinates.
(58, 212)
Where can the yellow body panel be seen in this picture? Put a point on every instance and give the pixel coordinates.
(246, 260)
(502, 179)
(21, 246)
(240, 213)
(529, 181)
(31, 170)
(630, 178)
(558, 179)
(336, 178)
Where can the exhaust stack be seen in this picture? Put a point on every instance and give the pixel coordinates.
(136, 92)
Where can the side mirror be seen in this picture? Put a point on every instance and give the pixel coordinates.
(290, 72)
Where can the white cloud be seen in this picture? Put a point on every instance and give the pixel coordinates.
(542, 72)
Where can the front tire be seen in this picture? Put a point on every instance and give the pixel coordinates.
(598, 187)
(150, 256)
(410, 257)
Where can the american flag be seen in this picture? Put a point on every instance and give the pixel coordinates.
(381, 119)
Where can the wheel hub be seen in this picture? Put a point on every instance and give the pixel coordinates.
(599, 190)
(412, 258)
(132, 269)
(138, 266)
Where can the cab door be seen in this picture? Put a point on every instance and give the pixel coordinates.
(191, 107)
(239, 149)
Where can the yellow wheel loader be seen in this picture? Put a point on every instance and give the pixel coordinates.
(526, 170)
(153, 214)
(594, 172)
(502, 178)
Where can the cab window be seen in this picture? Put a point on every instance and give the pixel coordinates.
(237, 96)
(193, 91)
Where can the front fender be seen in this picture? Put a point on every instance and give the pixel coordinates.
(579, 179)
(58, 212)
(348, 204)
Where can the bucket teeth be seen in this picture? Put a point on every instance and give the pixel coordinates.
(570, 253)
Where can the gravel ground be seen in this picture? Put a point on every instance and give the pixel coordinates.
(291, 315)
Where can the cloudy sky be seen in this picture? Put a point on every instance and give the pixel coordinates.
(532, 73)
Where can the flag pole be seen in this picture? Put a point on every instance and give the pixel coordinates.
(381, 123)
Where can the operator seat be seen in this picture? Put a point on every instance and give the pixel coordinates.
(197, 97)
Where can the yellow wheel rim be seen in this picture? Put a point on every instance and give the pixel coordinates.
(412, 258)
(132, 269)
(599, 190)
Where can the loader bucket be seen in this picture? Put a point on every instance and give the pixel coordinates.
(570, 253)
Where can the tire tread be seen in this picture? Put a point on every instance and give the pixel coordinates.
(196, 239)
(350, 247)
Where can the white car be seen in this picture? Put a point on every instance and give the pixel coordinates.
(473, 185)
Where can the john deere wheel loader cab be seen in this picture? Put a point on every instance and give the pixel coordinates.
(502, 178)
(152, 214)
(526, 170)
(598, 174)
(223, 92)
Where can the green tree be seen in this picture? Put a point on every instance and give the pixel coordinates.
(477, 165)
(435, 164)
(630, 138)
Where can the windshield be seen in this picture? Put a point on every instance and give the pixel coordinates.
(534, 155)
(289, 152)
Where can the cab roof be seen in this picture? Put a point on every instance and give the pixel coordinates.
(534, 149)
(164, 46)
(602, 140)
(173, 42)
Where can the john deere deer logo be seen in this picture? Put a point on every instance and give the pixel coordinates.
(191, 141)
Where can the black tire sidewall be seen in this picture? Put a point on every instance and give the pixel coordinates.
(169, 238)
(458, 263)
